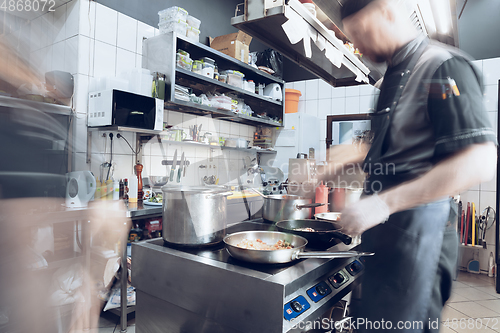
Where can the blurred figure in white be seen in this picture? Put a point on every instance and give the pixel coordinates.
(48, 280)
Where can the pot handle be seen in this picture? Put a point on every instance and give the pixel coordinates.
(222, 194)
(310, 205)
(329, 255)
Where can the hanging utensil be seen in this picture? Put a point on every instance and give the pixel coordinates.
(179, 174)
(172, 170)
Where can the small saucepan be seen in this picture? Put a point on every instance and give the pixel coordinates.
(319, 234)
(278, 207)
(281, 256)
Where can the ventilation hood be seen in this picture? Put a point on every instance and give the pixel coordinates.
(289, 28)
(267, 20)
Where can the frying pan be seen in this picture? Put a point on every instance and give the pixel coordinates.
(278, 256)
(326, 234)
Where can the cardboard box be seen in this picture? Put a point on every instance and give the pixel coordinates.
(235, 45)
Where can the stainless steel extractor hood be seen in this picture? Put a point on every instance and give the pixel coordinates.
(315, 46)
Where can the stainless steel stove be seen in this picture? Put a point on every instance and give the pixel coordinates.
(182, 290)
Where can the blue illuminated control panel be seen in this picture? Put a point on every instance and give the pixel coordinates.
(338, 279)
(354, 267)
(319, 291)
(295, 307)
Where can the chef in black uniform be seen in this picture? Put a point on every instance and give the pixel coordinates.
(432, 139)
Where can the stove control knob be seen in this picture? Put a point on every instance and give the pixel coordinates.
(321, 290)
(338, 278)
(354, 268)
(296, 306)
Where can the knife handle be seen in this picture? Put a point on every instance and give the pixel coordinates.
(172, 172)
(179, 174)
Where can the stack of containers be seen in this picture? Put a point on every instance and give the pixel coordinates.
(173, 19)
(177, 19)
(193, 30)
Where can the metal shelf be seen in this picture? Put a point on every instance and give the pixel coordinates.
(122, 129)
(198, 50)
(265, 24)
(199, 144)
(168, 44)
(203, 110)
(19, 103)
(223, 87)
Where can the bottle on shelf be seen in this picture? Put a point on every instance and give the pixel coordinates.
(116, 190)
(121, 189)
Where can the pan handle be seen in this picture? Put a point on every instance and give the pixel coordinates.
(312, 205)
(343, 237)
(330, 255)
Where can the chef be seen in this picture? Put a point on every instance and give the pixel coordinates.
(432, 139)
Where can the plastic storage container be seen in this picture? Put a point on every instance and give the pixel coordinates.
(235, 78)
(193, 34)
(208, 60)
(221, 102)
(193, 22)
(197, 67)
(250, 86)
(184, 61)
(222, 78)
(173, 13)
(208, 70)
(292, 100)
(178, 26)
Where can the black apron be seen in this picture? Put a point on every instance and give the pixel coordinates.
(403, 282)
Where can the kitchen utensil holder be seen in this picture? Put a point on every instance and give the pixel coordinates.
(170, 162)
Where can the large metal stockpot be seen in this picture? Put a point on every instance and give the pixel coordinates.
(287, 207)
(194, 216)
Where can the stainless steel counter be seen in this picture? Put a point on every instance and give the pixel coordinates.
(206, 290)
(144, 211)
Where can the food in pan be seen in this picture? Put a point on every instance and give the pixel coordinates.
(305, 229)
(260, 245)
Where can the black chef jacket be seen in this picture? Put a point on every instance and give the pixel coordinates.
(430, 106)
(440, 112)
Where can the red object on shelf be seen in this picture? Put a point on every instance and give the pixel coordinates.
(306, 1)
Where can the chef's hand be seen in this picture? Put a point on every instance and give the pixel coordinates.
(363, 215)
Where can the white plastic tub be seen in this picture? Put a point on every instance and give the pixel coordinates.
(208, 70)
(193, 21)
(173, 13)
(193, 34)
(178, 26)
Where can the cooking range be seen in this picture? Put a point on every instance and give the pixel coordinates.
(189, 290)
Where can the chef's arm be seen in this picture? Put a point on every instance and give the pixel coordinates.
(341, 156)
(464, 169)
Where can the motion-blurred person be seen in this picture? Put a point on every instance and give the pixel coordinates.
(47, 280)
(431, 140)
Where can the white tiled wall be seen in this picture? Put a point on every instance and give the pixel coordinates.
(90, 40)
(484, 195)
(321, 100)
